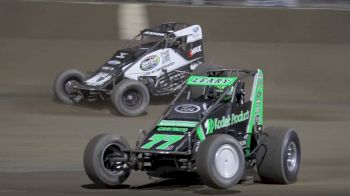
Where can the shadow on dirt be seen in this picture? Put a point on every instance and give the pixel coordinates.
(96, 186)
(100, 105)
(184, 185)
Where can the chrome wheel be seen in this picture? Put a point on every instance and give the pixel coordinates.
(69, 86)
(71, 91)
(292, 154)
(227, 161)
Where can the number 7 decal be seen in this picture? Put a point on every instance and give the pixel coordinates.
(157, 138)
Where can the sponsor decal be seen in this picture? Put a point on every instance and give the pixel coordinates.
(165, 56)
(194, 37)
(159, 69)
(187, 108)
(107, 68)
(205, 106)
(211, 124)
(258, 97)
(150, 63)
(113, 62)
(165, 140)
(194, 51)
(153, 33)
(100, 79)
(121, 55)
(176, 123)
(211, 81)
(174, 129)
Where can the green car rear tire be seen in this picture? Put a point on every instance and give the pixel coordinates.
(278, 160)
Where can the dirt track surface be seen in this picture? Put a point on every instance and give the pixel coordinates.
(42, 141)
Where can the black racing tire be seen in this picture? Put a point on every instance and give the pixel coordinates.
(138, 102)
(280, 150)
(216, 152)
(61, 86)
(201, 70)
(95, 156)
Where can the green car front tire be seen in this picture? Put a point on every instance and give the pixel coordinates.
(98, 160)
(220, 161)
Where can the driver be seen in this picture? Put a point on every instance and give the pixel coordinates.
(217, 91)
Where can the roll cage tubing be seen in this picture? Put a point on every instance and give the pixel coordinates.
(246, 74)
(170, 25)
(165, 38)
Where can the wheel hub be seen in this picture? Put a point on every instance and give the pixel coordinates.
(131, 97)
(69, 86)
(292, 154)
(226, 161)
(111, 151)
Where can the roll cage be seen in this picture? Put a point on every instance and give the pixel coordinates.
(158, 36)
(239, 73)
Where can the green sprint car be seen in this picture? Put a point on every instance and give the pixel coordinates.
(213, 129)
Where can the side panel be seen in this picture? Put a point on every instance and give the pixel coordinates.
(194, 50)
(257, 108)
(194, 42)
(193, 33)
(222, 122)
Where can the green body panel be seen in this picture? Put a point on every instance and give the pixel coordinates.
(210, 81)
(257, 107)
(200, 133)
(165, 140)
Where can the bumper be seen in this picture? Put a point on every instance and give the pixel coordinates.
(90, 88)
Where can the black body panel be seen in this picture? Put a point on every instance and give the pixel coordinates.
(188, 110)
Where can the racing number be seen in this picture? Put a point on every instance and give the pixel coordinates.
(157, 138)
